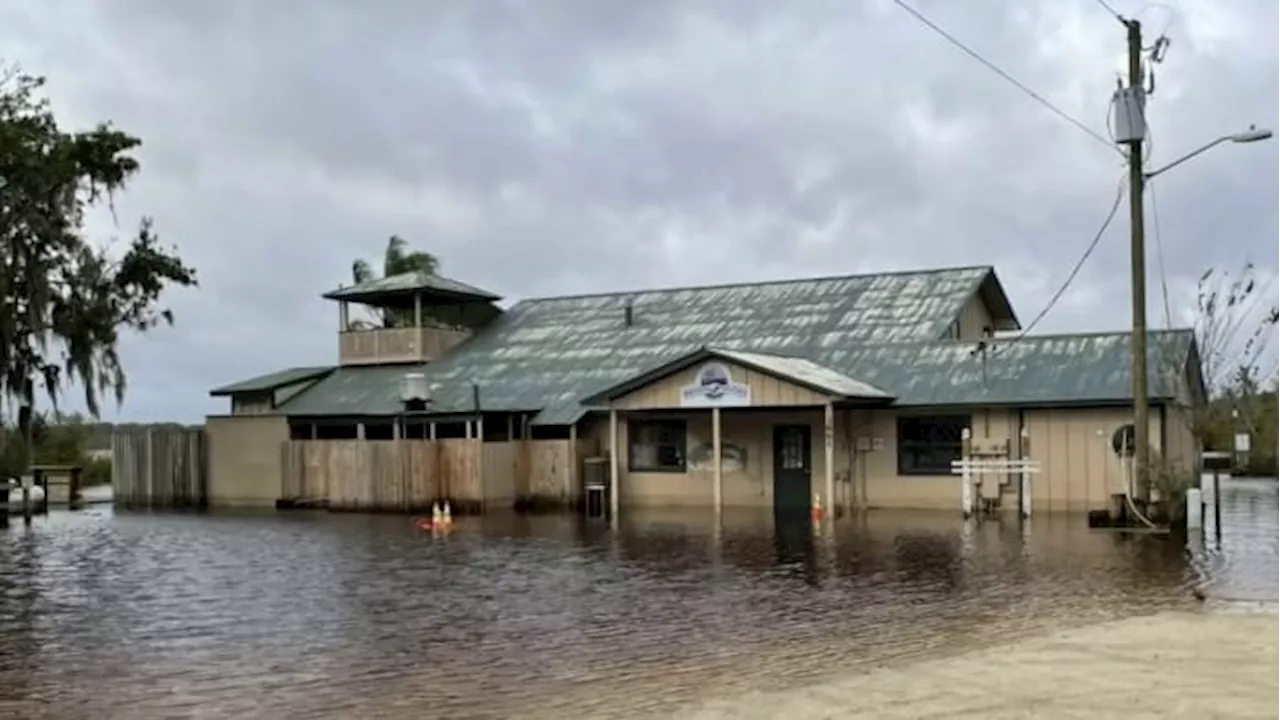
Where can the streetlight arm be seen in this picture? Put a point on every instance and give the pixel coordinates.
(1187, 157)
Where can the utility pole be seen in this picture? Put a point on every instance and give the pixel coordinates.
(1138, 272)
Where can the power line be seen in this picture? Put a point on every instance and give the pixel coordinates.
(994, 68)
(1164, 278)
(1107, 6)
(1093, 245)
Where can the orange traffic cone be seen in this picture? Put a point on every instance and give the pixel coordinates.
(819, 513)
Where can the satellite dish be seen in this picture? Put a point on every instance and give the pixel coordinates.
(1123, 440)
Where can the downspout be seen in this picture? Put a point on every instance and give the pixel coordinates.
(1165, 465)
(1020, 453)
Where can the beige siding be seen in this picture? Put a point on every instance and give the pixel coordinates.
(887, 489)
(266, 401)
(245, 459)
(1079, 471)
(766, 391)
(1182, 449)
(287, 393)
(748, 485)
(974, 316)
(379, 346)
(252, 403)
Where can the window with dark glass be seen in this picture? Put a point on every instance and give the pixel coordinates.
(657, 445)
(927, 445)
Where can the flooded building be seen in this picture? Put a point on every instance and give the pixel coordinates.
(859, 391)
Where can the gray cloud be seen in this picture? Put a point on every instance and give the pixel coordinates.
(561, 147)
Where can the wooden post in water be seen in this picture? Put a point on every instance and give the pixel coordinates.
(1217, 507)
(828, 456)
(149, 459)
(614, 469)
(717, 470)
(73, 489)
(26, 499)
(40, 480)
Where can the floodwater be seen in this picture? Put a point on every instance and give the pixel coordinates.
(311, 615)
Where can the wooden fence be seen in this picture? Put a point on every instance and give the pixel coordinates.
(406, 475)
(159, 467)
(410, 475)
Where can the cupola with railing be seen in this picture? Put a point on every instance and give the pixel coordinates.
(411, 317)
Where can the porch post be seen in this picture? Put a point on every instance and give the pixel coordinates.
(572, 467)
(829, 446)
(418, 335)
(715, 454)
(613, 464)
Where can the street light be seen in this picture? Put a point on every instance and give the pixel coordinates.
(1138, 180)
(1253, 134)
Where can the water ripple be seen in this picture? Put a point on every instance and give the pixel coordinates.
(312, 615)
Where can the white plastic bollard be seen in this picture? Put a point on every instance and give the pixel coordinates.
(1195, 510)
(1026, 495)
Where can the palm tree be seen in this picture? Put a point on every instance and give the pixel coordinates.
(396, 261)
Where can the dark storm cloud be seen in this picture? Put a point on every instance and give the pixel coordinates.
(556, 147)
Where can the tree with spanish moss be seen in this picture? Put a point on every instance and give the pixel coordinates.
(67, 298)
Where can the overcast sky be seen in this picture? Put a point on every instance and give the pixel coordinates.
(566, 146)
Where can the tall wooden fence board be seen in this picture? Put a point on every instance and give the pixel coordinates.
(159, 467)
(548, 470)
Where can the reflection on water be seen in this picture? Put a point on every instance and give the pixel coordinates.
(1242, 566)
(316, 615)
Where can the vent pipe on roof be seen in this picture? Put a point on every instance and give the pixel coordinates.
(628, 314)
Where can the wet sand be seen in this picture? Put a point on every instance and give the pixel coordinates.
(1169, 665)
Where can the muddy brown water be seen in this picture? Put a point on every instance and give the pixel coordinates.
(311, 615)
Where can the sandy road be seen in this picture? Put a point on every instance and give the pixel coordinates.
(1171, 665)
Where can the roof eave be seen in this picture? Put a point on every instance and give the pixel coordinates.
(235, 389)
(645, 377)
(396, 297)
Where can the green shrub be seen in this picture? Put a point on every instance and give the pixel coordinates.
(97, 471)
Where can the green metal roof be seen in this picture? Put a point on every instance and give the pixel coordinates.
(550, 354)
(271, 381)
(404, 285)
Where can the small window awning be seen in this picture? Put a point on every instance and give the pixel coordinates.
(795, 370)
